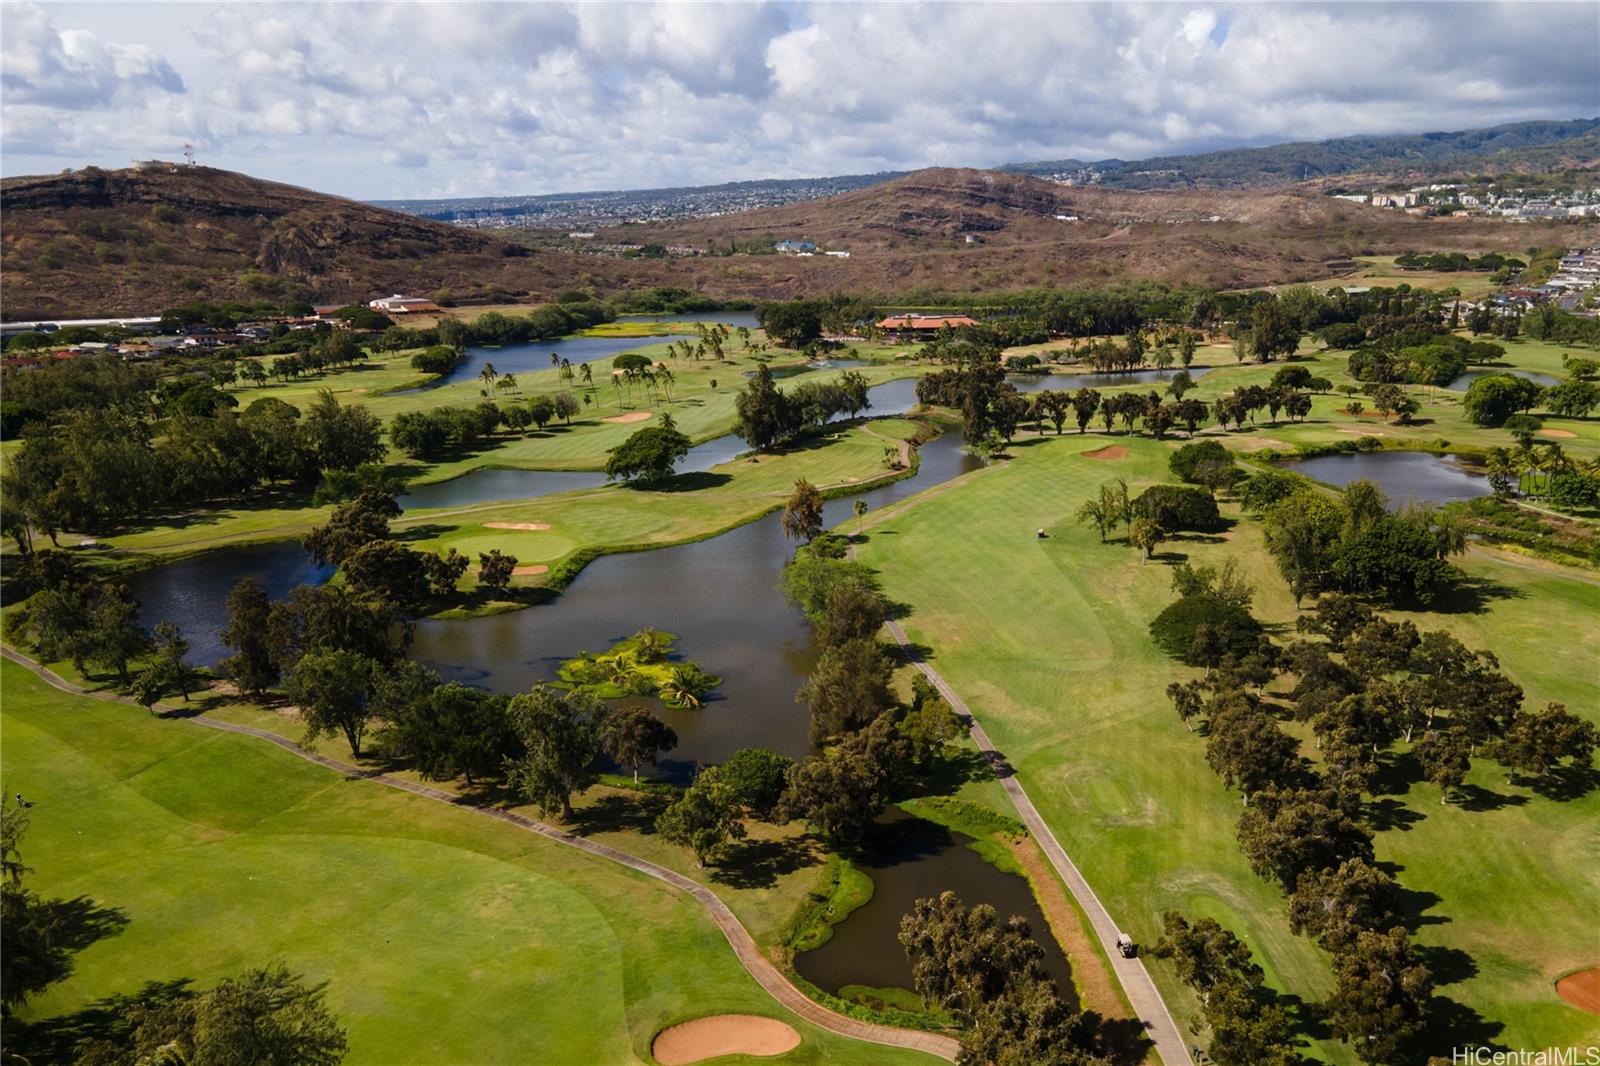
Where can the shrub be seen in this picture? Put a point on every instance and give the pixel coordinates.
(1494, 398)
(1188, 458)
(439, 359)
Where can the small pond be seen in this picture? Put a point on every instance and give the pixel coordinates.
(1462, 383)
(1096, 380)
(910, 859)
(194, 592)
(1403, 476)
(535, 355)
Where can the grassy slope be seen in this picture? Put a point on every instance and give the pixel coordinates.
(1047, 640)
(225, 853)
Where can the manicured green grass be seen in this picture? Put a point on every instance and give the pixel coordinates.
(445, 937)
(1047, 639)
(600, 519)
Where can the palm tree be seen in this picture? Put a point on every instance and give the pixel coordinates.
(861, 516)
(488, 374)
(588, 374)
(1503, 472)
(508, 383)
(555, 360)
(687, 685)
(665, 376)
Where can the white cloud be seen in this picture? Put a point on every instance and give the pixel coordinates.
(382, 100)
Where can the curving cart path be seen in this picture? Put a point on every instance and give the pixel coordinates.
(739, 938)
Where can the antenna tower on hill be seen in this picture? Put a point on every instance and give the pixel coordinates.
(188, 154)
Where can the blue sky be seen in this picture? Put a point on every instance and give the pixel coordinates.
(398, 100)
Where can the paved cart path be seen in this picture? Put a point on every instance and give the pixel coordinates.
(739, 938)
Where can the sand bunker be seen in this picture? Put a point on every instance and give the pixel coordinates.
(1581, 989)
(1110, 451)
(723, 1034)
(534, 526)
(631, 416)
(530, 570)
(1564, 434)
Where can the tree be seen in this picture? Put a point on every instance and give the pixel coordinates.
(763, 414)
(1537, 741)
(1084, 406)
(541, 409)
(1272, 332)
(561, 734)
(168, 661)
(1493, 398)
(860, 510)
(1336, 904)
(839, 793)
(1205, 955)
(495, 569)
(848, 688)
(754, 778)
(704, 818)
(341, 438)
(566, 405)
(1290, 832)
(1381, 993)
(333, 689)
(390, 571)
(33, 953)
(1107, 510)
(802, 512)
(114, 637)
(648, 456)
(251, 666)
(1247, 749)
(444, 729)
(264, 1017)
(359, 522)
(851, 610)
(633, 736)
(1146, 534)
(1446, 756)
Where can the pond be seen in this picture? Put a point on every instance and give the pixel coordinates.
(535, 355)
(194, 591)
(1462, 383)
(910, 859)
(720, 596)
(1096, 380)
(1403, 476)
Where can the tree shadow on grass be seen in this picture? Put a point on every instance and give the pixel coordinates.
(617, 813)
(692, 482)
(1566, 783)
(1449, 1024)
(956, 767)
(58, 1039)
(1123, 1041)
(77, 923)
(759, 863)
(1472, 797)
(1386, 814)
(1474, 595)
(422, 531)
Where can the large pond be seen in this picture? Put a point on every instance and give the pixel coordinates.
(1403, 476)
(523, 358)
(720, 596)
(1465, 381)
(909, 859)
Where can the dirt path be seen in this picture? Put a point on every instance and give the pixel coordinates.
(739, 938)
(1094, 980)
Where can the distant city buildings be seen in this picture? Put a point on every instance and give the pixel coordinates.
(1459, 199)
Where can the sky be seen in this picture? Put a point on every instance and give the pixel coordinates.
(397, 100)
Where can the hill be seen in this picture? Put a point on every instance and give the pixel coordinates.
(1518, 146)
(95, 242)
(975, 230)
(137, 240)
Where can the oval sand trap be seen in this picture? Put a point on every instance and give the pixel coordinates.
(1110, 451)
(530, 570)
(1582, 989)
(723, 1034)
(1564, 434)
(516, 525)
(631, 416)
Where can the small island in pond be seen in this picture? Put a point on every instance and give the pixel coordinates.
(641, 666)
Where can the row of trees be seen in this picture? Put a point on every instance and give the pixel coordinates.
(768, 415)
(104, 465)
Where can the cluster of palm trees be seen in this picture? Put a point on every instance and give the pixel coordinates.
(1530, 469)
(657, 380)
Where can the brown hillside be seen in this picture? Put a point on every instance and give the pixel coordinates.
(95, 242)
